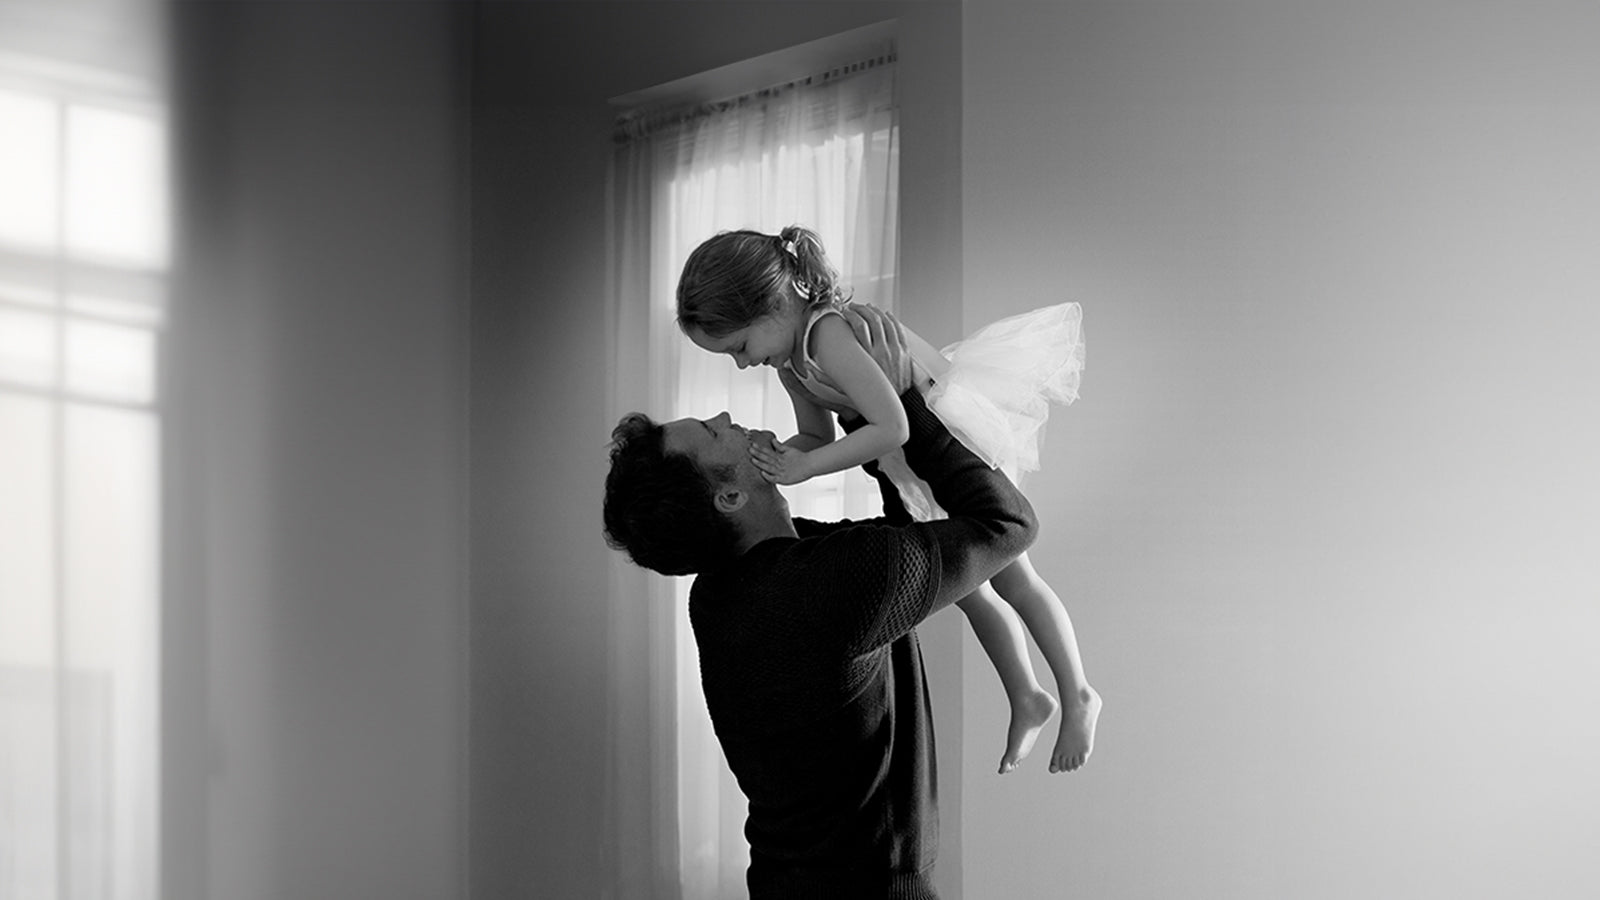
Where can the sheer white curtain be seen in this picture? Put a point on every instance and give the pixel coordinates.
(822, 152)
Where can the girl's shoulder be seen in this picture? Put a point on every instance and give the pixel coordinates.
(815, 317)
(930, 362)
(818, 313)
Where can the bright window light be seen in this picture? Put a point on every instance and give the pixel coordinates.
(27, 348)
(116, 186)
(83, 282)
(29, 160)
(27, 580)
(113, 362)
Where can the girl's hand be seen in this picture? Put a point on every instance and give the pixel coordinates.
(781, 464)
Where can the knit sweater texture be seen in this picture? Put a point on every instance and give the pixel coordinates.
(814, 679)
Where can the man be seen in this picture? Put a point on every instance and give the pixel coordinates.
(808, 650)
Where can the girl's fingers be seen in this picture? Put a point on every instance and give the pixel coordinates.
(766, 464)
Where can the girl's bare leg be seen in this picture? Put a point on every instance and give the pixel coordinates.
(1000, 633)
(1047, 621)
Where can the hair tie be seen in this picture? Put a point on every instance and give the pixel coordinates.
(788, 247)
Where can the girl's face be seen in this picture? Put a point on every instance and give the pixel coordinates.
(768, 341)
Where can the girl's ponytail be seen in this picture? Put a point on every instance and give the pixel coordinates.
(736, 277)
(815, 276)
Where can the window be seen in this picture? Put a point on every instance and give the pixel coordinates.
(83, 256)
(820, 151)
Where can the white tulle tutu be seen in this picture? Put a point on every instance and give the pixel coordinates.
(995, 396)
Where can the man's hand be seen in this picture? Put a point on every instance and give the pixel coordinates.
(884, 338)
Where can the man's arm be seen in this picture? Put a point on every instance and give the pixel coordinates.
(902, 574)
(885, 580)
(990, 522)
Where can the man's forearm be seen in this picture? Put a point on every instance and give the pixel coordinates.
(990, 522)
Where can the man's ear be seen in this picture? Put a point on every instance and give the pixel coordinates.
(730, 499)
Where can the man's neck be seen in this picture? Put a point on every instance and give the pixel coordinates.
(773, 524)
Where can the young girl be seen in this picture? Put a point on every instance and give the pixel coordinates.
(775, 300)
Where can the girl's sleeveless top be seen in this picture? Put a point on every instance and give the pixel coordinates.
(993, 390)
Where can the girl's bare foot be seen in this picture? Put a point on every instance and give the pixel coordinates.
(1028, 716)
(1076, 740)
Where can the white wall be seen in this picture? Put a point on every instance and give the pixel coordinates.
(1327, 514)
(315, 636)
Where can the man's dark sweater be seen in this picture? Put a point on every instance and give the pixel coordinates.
(814, 679)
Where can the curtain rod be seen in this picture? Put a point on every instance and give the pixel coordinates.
(645, 122)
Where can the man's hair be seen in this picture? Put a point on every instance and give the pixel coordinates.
(658, 505)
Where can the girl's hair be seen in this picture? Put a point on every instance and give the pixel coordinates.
(737, 277)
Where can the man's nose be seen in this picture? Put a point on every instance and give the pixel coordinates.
(741, 362)
(723, 419)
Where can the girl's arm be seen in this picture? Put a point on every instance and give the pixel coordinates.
(852, 370)
(815, 424)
